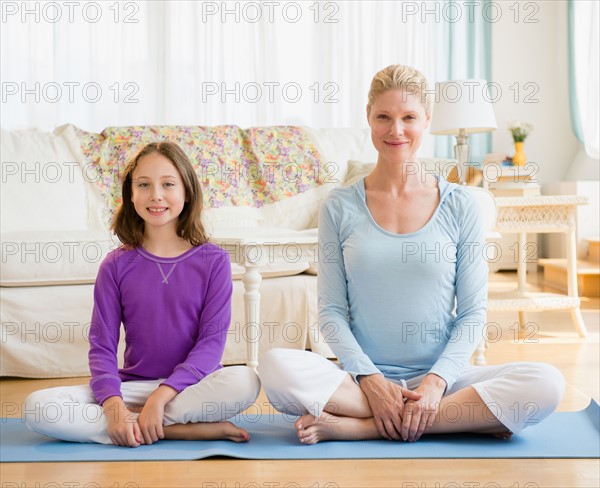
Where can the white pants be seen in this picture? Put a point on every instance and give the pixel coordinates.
(518, 394)
(72, 413)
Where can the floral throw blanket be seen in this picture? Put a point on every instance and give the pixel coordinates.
(236, 167)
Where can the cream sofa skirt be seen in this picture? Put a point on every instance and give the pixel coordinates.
(55, 344)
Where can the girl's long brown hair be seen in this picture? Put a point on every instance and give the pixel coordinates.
(129, 226)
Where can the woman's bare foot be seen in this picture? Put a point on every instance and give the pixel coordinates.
(204, 431)
(330, 427)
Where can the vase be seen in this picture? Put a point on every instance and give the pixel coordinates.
(519, 159)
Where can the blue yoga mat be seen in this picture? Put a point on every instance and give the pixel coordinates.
(562, 435)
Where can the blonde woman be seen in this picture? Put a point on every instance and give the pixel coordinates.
(402, 301)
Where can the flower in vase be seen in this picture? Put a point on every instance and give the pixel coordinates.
(520, 130)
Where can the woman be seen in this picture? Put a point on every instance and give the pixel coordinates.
(402, 297)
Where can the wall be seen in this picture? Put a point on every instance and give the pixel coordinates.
(534, 52)
(537, 52)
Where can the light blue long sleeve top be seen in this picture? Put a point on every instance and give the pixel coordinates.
(402, 304)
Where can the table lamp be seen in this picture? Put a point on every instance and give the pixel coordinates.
(462, 107)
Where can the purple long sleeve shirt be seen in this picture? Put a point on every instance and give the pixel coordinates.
(175, 311)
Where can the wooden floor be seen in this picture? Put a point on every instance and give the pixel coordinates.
(553, 340)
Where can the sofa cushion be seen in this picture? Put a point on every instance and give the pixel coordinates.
(337, 147)
(437, 166)
(296, 212)
(356, 171)
(72, 258)
(43, 186)
(53, 257)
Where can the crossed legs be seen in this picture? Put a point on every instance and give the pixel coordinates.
(347, 416)
(489, 400)
(198, 412)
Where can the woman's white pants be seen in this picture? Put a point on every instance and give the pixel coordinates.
(72, 413)
(518, 394)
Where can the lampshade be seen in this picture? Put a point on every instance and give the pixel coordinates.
(462, 104)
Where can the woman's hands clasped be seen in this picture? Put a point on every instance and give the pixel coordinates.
(401, 413)
(387, 402)
(419, 414)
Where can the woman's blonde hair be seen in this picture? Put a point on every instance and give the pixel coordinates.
(400, 77)
(129, 226)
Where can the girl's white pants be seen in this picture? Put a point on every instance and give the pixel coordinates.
(518, 394)
(71, 413)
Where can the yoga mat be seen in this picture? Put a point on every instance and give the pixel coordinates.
(561, 435)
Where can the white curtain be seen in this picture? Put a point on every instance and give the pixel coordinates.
(585, 17)
(467, 46)
(206, 63)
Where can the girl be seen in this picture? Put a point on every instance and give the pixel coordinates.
(171, 289)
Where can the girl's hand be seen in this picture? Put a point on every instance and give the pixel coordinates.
(151, 416)
(123, 428)
(386, 400)
(419, 415)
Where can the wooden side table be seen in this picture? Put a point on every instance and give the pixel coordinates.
(253, 248)
(538, 214)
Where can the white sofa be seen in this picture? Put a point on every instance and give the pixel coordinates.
(54, 237)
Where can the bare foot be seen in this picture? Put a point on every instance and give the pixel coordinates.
(333, 428)
(330, 427)
(204, 431)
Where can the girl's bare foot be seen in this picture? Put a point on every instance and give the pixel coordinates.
(204, 431)
(330, 427)
(134, 408)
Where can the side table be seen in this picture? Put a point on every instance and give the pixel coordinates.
(538, 214)
(253, 248)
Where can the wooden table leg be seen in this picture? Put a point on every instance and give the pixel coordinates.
(577, 319)
(522, 274)
(576, 316)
